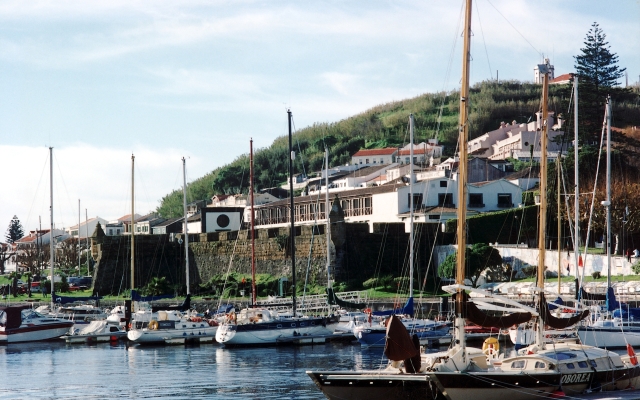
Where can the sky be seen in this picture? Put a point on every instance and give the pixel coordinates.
(101, 80)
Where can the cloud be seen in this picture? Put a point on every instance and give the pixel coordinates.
(99, 177)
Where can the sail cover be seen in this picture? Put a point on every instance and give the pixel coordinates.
(558, 322)
(399, 345)
(69, 299)
(335, 300)
(135, 296)
(471, 312)
(407, 309)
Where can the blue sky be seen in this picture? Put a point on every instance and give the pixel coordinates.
(100, 80)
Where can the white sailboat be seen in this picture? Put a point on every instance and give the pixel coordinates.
(464, 372)
(171, 325)
(20, 323)
(261, 326)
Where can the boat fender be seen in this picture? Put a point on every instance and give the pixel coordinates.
(153, 324)
(632, 355)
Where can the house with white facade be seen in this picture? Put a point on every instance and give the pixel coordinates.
(86, 227)
(358, 178)
(423, 154)
(375, 156)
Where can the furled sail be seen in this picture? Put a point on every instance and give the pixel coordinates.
(559, 322)
(68, 299)
(332, 299)
(399, 345)
(186, 304)
(407, 309)
(135, 296)
(471, 312)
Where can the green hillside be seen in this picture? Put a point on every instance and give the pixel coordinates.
(436, 115)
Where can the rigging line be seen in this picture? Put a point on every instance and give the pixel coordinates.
(484, 41)
(298, 143)
(449, 68)
(593, 198)
(515, 29)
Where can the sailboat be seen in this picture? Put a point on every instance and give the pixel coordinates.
(261, 326)
(617, 326)
(463, 372)
(20, 323)
(428, 331)
(172, 325)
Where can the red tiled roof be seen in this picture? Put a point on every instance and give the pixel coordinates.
(562, 78)
(416, 150)
(375, 152)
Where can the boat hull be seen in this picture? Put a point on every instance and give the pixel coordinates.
(273, 332)
(35, 333)
(376, 336)
(182, 332)
(609, 337)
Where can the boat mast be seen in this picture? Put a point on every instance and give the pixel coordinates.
(607, 202)
(559, 227)
(253, 231)
(186, 225)
(51, 238)
(543, 202)
(462, 177)
(411, 206)
(133, 229)
(327, 210)
(576, 216)
(86, 231)
(78, 236)
(291, 216)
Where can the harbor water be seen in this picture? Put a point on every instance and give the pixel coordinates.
(56, 370)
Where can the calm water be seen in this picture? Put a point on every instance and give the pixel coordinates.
(57, 370)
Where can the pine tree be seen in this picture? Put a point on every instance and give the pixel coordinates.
(597, 65)
(15, 231)
(598, 71)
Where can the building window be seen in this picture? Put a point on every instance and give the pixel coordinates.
(434, 217)
(366, 161)
(406, 160)
(381, 160)
(504, 200)
(443, 183)
(110, 232)
(475, 200)
(417, 200)
(445, 199)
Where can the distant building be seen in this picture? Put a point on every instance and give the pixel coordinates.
(562, 79)
(86, 227)
(538, 75)
(375, 156)
(423, 153)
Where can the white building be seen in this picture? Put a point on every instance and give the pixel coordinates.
(538, 75)
(374, 156)
(86, 227)
(515, 139)
(424, 153)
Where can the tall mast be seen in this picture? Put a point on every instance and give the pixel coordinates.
(78, 236)
(559, 226)
(253, 230)
(51, 238)
(463, 128)
(327, 210)
(576, 216)
(291, 216)
(411, 205)
(186, 225)
(86, 231)
(607, 203)
(543, 199)
(133, 229)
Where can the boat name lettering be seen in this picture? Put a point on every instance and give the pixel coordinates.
(576, 378)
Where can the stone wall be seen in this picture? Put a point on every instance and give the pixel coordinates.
(356, 255)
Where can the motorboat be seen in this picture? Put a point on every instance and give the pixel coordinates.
(172, 327)
(96, 331)
(24, 324)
